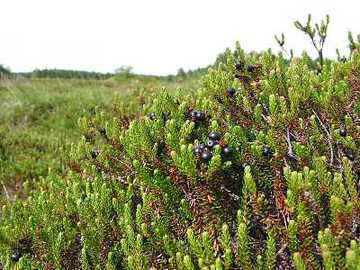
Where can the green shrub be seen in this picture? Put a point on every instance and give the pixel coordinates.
(140, 192)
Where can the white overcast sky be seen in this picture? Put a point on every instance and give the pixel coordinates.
(156, 36)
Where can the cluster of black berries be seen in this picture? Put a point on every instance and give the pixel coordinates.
(250, 68)
(197, 116)
(152, 116)
(204, 151)
(240, 66)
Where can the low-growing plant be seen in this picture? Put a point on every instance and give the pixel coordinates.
(277, 187)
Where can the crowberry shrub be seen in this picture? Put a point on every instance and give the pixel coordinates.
(157, 197)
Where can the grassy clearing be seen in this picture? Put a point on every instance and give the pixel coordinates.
(38, 121)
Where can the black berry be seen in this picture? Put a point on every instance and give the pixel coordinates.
(250, 68)
(227, 151)
(211, 143)
(197, 116)
(215, 135)
(102, 131)
(193, 115)
(15, 257)
(239, 66)
(206, 156)
(230, 91)
(95, 153)
(200, 116)
(152, 116)
(343, 132)
(267, 151)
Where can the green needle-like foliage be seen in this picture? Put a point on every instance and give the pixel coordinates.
(257, 168)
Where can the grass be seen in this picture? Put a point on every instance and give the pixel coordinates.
(38, 121)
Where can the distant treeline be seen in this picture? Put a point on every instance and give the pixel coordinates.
(192, 72)
(78, 74)
(54, 73)
(67, 74)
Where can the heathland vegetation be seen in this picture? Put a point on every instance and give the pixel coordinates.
(252, 163)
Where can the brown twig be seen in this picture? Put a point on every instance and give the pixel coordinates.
(281, 250)
(328, 138)
(5, 191)
(290, 153)
(232, 195)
